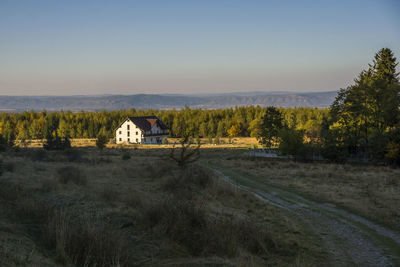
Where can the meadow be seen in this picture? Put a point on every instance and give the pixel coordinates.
(135, 207)
(129, 206)
(370, 190)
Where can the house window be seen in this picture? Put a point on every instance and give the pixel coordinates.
(137, 133)
(128, 140)
(120, 132)
(128, 133)
(137, 140)
(120, 139)
(144, 139)
(127, 127)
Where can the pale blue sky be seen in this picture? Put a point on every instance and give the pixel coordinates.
(128, 47)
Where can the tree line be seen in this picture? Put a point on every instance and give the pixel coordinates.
(239, 121)
(363, 121)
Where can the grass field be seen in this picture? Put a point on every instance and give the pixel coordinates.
(372, 191)
(237, 142)
(134, 207)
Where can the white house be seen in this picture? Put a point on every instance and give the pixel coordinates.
(141, 130)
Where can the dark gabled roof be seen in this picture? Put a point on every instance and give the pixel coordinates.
(147, 122)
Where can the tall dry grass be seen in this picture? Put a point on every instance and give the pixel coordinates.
(373, 191)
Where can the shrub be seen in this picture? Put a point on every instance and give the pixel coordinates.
(291, 142)
(393, 153)
(101, 141)
(54, 142)
(71, 174)
(126, 156)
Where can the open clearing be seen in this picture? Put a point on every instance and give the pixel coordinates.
(134, 207)
(323, 196)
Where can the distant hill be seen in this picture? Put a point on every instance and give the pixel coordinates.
(153, 101)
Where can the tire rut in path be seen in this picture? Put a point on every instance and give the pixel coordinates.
(346, 243)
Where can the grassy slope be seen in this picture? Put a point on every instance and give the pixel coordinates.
(371, 191)
(136, 212)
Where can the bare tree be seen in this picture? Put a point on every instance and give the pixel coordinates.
(186, 154)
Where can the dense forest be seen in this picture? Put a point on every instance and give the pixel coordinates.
(245, 121)
(363, 121)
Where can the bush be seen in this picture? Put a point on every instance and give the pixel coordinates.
(393, 153)
(71, 174)
(126, 156)
(101, 141)
(56, 142)
(291, 142)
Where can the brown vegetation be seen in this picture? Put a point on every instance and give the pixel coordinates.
(372, 191)
(87, 208)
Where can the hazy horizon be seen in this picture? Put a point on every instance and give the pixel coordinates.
(171, 94)
(189, 47)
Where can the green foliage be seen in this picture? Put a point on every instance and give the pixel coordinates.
(363, 113)
(54, 142)
(186, 122)
(101, 141)
(333, 148)
(291, 142)
(393, 152)
(234, 131)
(272, 123)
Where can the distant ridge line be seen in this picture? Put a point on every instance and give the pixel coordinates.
(166, 101)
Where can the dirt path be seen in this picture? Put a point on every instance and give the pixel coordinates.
(349, 239)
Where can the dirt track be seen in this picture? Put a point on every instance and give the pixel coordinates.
(349, 239)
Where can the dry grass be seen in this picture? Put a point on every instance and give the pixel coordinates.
(373, 191)
(91, 208)
(224, 142)
(71, 174)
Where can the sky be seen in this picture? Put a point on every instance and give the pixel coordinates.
(204, 46)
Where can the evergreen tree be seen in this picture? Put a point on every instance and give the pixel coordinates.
(272, 123)
(366, 110)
